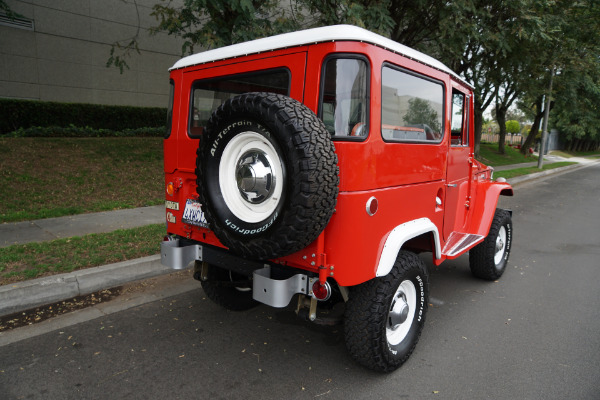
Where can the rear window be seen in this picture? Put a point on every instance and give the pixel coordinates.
(412, 108)
(208, 95)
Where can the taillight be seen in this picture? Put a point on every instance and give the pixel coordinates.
(321, 291)
(170, 189)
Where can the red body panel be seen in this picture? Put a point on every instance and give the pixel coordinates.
(409, 180)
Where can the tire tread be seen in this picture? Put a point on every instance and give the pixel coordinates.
(313, 165)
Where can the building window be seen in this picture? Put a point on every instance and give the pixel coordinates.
(16, 22)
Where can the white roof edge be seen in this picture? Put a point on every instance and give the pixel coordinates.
(311, 36)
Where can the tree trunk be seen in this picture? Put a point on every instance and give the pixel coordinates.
(501, 119)
(535, 129)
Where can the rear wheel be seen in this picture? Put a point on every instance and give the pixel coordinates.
(385, 316)
(489, 258)
(228, 289)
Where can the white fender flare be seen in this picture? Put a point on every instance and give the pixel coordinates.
(399, 235)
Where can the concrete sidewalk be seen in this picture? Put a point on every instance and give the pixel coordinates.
(548, 159)
(78, 225)
(36, 292)
(33, 293)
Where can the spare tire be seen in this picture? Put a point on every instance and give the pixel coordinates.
(267, 175)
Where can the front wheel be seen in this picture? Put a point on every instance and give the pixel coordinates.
(489, 258)
(384, 316)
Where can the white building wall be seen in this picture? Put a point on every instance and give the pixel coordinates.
(64, 57)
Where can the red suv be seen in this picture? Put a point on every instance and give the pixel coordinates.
(319, 164)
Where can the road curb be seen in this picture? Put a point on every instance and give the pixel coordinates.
(37, 292)
(531, 177)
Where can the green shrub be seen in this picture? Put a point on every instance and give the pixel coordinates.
(16, 114)
(74, 131)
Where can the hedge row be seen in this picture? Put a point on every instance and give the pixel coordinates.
(75, 131)
(16, 114)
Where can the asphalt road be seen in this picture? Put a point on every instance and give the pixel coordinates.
(535, 334)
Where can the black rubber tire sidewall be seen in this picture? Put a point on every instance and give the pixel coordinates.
(367, 312)
(309, 165)
(398, 353)
(481, 257)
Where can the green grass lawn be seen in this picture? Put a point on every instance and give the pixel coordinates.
(489, 155)
(512, 173)
(34, 260)
(53, 177)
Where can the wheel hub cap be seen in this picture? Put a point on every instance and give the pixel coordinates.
(500, 245)
(254, 175)
(399, 311)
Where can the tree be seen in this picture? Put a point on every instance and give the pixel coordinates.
(420, 112)
(211, 24)
(6, 10)
(505, 48)
(513, 127)
(577, 93)
(534, 109)
(577, 114)
(217, 23)
(573, 52)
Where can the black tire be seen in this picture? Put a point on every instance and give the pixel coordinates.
(228, 289)
(282, 175)
(378, 335)
(489, 258)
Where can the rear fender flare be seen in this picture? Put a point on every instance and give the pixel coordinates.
(400, 235)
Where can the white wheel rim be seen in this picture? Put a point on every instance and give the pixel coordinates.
(500, 245)
(251, 177)
(401, 313)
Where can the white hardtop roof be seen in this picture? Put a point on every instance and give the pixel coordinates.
(310, 36)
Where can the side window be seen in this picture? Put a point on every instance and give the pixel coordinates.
(208, 95)
(170, 110)
(344, 97)
(458, 130)
(412, 107)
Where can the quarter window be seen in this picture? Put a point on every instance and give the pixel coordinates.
(344, 103)
(412, 107)
(457, 129)
(208, 95)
